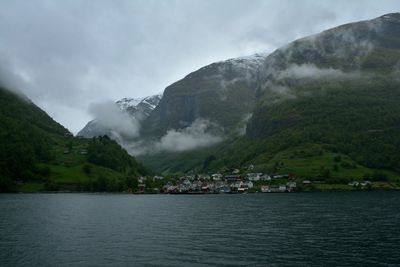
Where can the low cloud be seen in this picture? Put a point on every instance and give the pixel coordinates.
(192, 137)
(109, 116)
(11, 79)
(241, 130)
(201, 133)
(310, 71)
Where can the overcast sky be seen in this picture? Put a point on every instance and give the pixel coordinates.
(65, 55)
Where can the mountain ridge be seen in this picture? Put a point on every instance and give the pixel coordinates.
(336, 90)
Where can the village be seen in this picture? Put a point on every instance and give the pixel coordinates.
(233, 182)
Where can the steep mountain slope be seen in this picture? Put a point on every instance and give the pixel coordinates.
(24, 113)
(332, 94)
(340, 88)
(222, 93)
(225, 92)
(36, 150)
(137, 108)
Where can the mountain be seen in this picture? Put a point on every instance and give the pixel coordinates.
(322, 106)
(137, 108)
(37, 153)
(222, 93)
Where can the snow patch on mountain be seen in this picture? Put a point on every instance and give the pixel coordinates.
(136, 109)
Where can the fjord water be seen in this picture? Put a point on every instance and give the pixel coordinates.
(301, 229)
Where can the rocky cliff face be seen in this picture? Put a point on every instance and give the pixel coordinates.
(223, 93)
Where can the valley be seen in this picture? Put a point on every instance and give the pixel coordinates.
(323, 109)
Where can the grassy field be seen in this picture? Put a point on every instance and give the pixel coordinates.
(314, 162)
(69, 169)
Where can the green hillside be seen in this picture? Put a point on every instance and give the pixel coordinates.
(37, 153)
(328, 110)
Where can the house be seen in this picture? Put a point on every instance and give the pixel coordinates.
(205, 188)
(291, 186)
(251, 167)
(242, 189)
(306, 182)
(216, 176)
(232, 178)
(183, 188)
(265, 177)
(254, 176)
(158, 178)
(282, 188)
(354, 183)
(274, 189)
(283, 176)
(204, 177)
(265, 189)
(250, 184)
(193, 187)
(191, 177)
(172, 189)
(365, 183)
(141, 188)
(141, 180)
(225, 189)
(186, 182)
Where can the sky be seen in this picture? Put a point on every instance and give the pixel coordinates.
(66, 55)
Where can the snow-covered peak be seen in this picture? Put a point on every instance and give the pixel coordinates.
(150, 102)
(393, 17)
(128, 102)
(251, 61)
(137, 108)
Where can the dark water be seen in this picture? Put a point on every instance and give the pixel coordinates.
(315, 229)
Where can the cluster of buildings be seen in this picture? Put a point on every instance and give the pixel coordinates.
(218, 183)
(199, 186)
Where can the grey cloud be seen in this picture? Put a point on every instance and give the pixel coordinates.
(194, 136)
(201, 133)
(311, 71)
(67, 54)
(111, 117)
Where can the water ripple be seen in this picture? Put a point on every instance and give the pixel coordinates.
(319, 229)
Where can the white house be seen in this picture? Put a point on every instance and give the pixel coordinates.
(265, 177)
(217, 176)
(282, 188)
(250, 184)
(254, 176)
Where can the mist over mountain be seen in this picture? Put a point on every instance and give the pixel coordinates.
(121, 119)
(351, 52)
(336, 90)
(333, 90)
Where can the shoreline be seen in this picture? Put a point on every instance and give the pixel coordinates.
(207, 193)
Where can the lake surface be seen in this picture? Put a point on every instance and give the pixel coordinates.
(301, 229)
